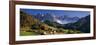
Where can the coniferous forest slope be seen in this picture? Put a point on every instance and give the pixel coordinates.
(32, 25)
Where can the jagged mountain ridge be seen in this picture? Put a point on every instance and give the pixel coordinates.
(64, 19)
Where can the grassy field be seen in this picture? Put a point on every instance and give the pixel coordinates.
(23, 33)
(47, 32)
(26, 31)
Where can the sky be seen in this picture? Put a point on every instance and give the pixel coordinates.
(69, 13)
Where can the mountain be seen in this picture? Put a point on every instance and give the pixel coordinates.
(82, 24)
(43, 17)
(63, 19)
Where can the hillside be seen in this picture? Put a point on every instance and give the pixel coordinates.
(27, 20)
(83, 25)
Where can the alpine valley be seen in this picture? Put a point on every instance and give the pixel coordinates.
(49, 23)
